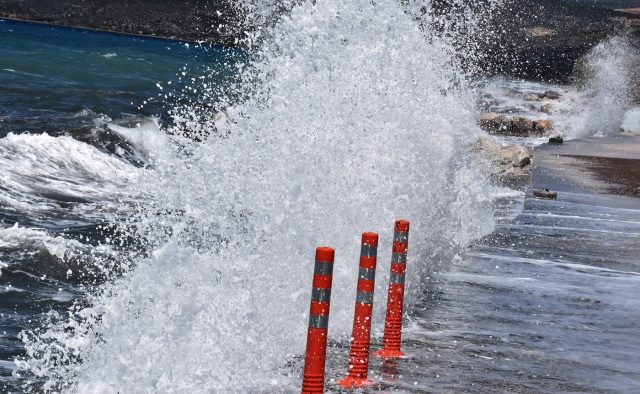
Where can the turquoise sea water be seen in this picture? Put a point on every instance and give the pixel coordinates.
(50, 74)
(71, 84)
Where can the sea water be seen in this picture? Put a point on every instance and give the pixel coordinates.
(159, 236)
(79, 114)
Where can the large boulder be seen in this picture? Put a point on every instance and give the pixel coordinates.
(521, 126)
(542, 126)
(504, 160)
(494, 123)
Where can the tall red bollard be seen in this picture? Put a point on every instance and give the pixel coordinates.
(313, 376)
(393, 322)
(359, 355)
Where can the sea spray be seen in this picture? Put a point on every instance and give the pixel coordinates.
(352, 121)
(631, 121)
(606, 76)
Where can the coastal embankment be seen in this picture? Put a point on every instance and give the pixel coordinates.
(551, 296)
(214, 21)
(596, 165)
(543, 40)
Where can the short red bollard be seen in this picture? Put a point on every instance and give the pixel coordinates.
(359, 355)
(393, 322)
(314, 362)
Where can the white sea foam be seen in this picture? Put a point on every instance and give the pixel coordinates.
(355, 120)
(27, 241)
(147, 138)
(15, 236)
(41, 171)
(606, 95)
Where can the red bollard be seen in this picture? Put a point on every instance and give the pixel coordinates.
(359, 355)
(313, 377)
(393, 322)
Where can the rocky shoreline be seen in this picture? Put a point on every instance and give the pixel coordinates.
(542, 40)
(213, 21)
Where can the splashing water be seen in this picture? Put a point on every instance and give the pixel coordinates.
(610, 70)
(631, 121)
(350, 119)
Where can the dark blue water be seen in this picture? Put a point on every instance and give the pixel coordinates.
(74, 84)
(48, 75)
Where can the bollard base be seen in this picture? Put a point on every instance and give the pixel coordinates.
(384, 353)
(351, 382)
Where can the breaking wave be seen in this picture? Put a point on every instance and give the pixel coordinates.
(610, 77)
(350, 115)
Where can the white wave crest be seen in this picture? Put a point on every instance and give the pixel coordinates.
(40, 172)
(609, 69)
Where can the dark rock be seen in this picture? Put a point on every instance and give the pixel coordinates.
(551, 95)
(534, 39)
(494, 123)
(505, 161)
(524, 162)
(545, 193)
(556, 140)
(521, 126)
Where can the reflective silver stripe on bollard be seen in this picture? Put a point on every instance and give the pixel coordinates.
(367, 273)
(396, 278)
(320, 294)
(400, 236)
(369, 250)
(318, 321)
(364, 297)
(323, 268)
(399, 257)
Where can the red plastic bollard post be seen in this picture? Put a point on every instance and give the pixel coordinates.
(393, 321)
(361, 334)
(314, 362)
